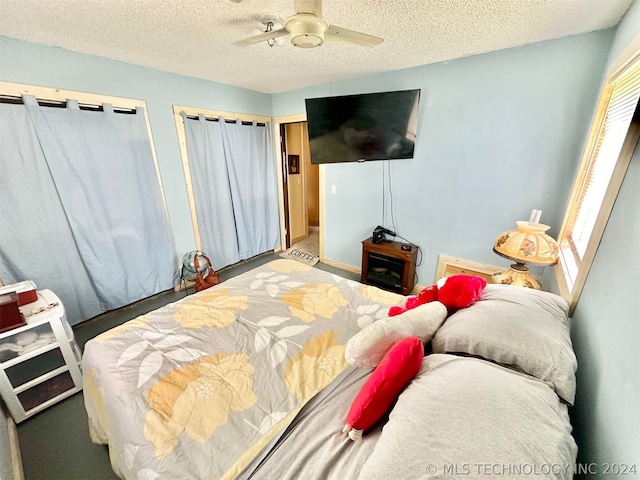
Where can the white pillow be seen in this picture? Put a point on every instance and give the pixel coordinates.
(367, 347)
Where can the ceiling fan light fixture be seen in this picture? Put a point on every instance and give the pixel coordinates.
(306, 31)
(307, 40)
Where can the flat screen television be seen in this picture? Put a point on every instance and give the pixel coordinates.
(357, 128)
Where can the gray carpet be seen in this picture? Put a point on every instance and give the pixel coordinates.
(55, 443)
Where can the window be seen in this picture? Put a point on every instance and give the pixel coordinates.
(611, 143)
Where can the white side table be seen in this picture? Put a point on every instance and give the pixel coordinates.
(39, 362)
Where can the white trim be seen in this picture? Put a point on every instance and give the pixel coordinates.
(572, 293)
(60, 95)
(280, 179)
(14, 447)
(245, 117)
(624, 58)
(14, 444)
(571, 290)
(321, 210)
(277, 121)
(182, 143)
(343, 266)
(299, 117)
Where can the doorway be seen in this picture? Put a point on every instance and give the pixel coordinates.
(300, 187)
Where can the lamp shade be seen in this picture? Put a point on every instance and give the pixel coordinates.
(528, 244)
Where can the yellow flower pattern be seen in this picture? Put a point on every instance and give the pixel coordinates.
(285, 265)
(184, 399)
(205, 382)
(314, 299)
(96, 395)
(215, 308)
(377, 295)
(311, 369)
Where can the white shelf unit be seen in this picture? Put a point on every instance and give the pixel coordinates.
(40, 361)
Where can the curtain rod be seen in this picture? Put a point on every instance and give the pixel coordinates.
(17, 100)
(226, 120)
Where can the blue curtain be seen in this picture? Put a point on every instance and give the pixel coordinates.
(235, 188)
(36, 242)
(211, 191)
(102, 167)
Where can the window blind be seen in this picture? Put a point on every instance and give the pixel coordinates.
(622, 104)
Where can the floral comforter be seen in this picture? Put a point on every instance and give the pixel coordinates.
(195, 389)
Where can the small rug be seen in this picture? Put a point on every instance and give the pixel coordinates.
(301, 255)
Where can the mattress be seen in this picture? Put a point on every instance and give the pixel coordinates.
(198, 388)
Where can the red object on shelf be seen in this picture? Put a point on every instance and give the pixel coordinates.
(26, 291)
(10, 316)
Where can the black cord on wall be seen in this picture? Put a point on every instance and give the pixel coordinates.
(393, 222)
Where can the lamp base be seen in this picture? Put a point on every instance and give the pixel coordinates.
(518, 275)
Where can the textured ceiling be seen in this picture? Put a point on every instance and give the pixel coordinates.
(195, 37)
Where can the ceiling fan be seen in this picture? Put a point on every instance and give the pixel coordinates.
(308, 29)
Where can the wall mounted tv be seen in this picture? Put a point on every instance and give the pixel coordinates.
(356, 128)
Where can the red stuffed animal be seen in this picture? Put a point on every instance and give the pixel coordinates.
(455, 292)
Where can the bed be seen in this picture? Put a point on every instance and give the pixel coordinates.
(248, 380)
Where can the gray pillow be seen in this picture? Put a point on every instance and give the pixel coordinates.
(517, 327)
(460, 416)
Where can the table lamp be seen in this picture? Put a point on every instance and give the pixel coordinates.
(527, 244)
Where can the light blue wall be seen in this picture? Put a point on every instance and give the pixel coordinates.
(606, 323)
(606, 338)
(627, 31)
(498, 135)
(498, 126)
(35, 64)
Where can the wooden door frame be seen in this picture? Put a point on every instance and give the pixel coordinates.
(294, 143)
(277, 122)
(282, 142)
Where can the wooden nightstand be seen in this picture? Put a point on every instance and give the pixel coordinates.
(39, 362)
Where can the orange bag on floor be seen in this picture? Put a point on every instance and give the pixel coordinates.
(210, 280)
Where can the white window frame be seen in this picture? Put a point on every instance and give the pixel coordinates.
(571, 280)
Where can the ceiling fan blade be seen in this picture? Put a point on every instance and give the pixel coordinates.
(309, 6)
(263, 37)
(351, 36)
